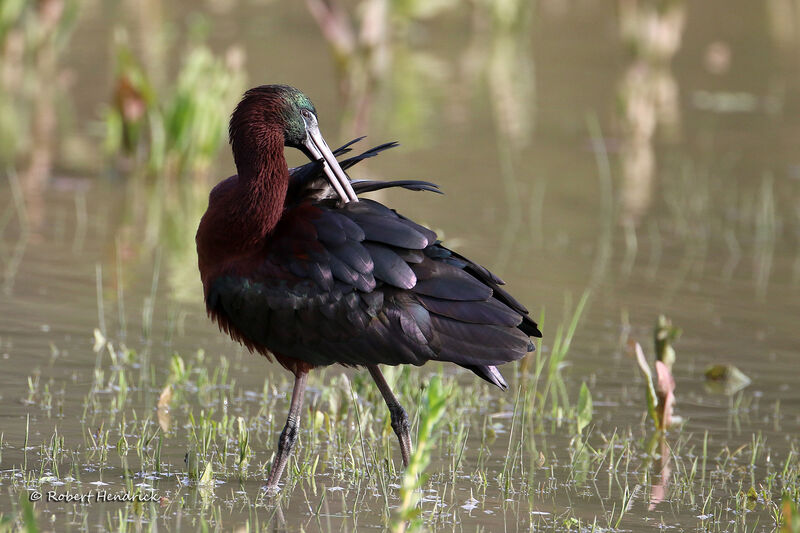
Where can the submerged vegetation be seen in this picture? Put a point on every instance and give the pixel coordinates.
(206, 449)
(189, 440)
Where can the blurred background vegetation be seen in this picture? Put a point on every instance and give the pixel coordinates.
(641, 151)
(138, 92)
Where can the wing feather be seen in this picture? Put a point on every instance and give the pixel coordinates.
(361, 284)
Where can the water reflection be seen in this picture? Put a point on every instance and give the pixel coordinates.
(658, 491)
(32, 82)
(13, 250)
(648, 94)
(500, 57)
(783, 23)
(375, 59)
(359, 53)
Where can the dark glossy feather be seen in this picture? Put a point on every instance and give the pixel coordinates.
(354, 255)
(390, 267)
(365, 186)
(372, 152)
(360, 284)
(489, 311)
(444, 281)
(390, 230)
(489, 373)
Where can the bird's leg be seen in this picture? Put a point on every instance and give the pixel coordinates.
(400, 423)
(289, 434)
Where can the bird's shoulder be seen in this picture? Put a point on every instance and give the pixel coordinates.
(216, 214)
(223, 189)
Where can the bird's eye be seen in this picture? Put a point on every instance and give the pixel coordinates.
(306, 113)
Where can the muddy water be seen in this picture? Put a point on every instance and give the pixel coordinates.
(658, 169)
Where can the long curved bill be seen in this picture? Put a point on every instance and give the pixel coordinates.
(316, 144)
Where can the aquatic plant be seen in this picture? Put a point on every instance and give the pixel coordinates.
(191, 127)
(179, 129)
(664, 334)
(406, 517)
(659, 390)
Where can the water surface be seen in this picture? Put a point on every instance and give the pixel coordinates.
(656, 169)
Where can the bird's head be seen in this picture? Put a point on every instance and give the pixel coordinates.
(270, 109)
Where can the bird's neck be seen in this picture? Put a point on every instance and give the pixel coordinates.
(264, 180)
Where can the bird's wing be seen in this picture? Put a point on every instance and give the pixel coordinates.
(360, 284)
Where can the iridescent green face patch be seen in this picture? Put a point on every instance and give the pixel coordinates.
(295, 100)
(303, 102)
(294, 103)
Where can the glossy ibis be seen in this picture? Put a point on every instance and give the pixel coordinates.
(296, 267)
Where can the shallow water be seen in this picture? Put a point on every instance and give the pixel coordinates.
(667, 184)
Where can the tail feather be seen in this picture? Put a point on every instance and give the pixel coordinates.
(490, 374)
